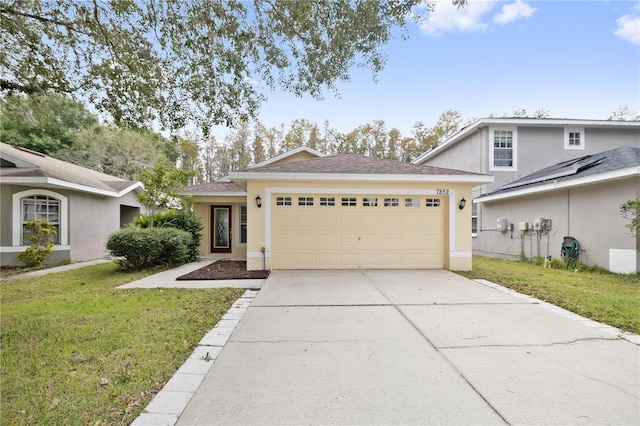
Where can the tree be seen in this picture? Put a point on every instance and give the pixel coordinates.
(189, 159)
(161, 186)
(201, 61)
(630, 210)
(46, 123)
(117, 152)
(624, 113)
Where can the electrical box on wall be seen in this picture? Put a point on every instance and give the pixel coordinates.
(501, 224)
(523, 226)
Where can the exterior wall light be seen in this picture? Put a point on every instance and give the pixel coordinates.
(463, 203)
(258, 201)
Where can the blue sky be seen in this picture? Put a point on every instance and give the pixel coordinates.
(575, 59)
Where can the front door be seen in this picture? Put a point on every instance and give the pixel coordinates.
(221, 229)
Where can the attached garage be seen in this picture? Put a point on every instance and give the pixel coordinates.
(351, 231)
(353, 212)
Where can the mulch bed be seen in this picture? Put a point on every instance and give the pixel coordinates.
(225, 269)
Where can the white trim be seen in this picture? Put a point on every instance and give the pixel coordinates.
(58, 183)
(354, 177)
(586, 180)
(514, 149)
(288, 154)
(237, 220)
(580, 130)
(20, 249)
(460, 254)
(270, 191)
(16, 215)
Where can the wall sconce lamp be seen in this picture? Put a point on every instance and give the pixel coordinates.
(463, 203)
(258, 201)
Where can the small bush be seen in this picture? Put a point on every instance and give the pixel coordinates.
(41, 234)
(178, 219)
(145, 248)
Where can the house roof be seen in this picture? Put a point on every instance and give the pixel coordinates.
(284, 156)
(355, 167)
(618, 163)
(527, 122)
(21, 166)
(218, 188)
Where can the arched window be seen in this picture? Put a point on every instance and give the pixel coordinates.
(40, 207)
(36, 204)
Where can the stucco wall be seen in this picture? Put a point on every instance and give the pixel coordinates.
(588, 213)
(91, 219)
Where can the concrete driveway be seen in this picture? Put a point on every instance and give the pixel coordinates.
(412, 347)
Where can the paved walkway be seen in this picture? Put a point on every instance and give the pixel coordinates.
(409, 347)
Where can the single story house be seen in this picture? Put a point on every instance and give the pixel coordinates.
(579, 198)
(84, 205)
(304, 210)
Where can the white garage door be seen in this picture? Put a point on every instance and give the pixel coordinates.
(355, 231)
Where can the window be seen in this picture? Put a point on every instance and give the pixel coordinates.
(305, 201)
(283, 201)
(348, 202)
(412, 202)
(327, 201)
(40, 207)
(503, 148)
(369, 202)
(391, 202)
(474, 220)
(433, 202)
(243, 224)
(573, 138)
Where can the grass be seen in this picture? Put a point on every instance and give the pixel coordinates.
(76, 350)
(613, 299)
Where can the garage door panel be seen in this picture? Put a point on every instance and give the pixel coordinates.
(351, 237)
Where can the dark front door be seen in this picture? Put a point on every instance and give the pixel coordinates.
(221, 229)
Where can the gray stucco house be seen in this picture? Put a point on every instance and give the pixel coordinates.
(512, 148)
(577, 198)
(85, 205)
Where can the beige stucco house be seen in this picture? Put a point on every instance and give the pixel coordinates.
(304, 210)
(84, 205)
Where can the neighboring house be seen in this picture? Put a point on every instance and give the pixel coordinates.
(84, 205)
(304, 210)
(511, 148)
(578, 198)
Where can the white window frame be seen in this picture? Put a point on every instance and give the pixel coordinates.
(16, 216)
(514, 148)
(567, 140)
(239, 242)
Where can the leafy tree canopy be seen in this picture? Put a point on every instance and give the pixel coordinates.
(43, 123)
(199, 61)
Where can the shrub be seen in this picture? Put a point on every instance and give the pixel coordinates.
(41, 233)
(144, 248)
(177, 219)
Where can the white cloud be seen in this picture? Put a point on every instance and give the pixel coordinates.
(513, 12)
(446, 17)
(628, 29)
(475, 16)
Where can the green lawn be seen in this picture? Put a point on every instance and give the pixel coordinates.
(76, 350)
(613, 299)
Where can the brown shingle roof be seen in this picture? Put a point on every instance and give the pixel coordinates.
(355, 164)
(212, 187)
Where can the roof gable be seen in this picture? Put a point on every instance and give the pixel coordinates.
(299, 154)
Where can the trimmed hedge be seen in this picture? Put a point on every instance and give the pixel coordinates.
(177, 219)
(140, 248)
